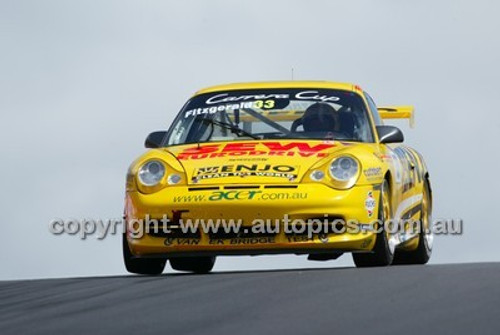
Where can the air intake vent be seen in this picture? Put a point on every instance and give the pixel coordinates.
(202, 188)
(280, 186)
(241, 187)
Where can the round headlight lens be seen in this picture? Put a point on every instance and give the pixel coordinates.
(151, 173)
(344, 168)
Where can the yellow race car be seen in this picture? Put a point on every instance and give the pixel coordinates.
(278, 167)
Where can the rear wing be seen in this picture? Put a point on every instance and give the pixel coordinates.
(398, 112)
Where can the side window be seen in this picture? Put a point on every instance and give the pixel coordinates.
(373, 108)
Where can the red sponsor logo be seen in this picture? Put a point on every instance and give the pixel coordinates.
(288, 149)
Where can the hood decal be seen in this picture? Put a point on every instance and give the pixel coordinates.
(243, 170)
(288, 149)
(248, 162)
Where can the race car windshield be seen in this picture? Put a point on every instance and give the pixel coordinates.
(272, 114)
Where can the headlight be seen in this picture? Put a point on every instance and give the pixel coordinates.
(345, 170)
(151, 173)
(317, 175)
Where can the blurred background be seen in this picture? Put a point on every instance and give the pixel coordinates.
(83, 82)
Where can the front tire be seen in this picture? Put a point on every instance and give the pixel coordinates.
(193, 264)
(142, 266)
(423, 252)
(383, 252)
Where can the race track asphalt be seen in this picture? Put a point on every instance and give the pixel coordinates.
(432, 299)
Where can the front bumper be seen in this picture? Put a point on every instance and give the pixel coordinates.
(270, 204)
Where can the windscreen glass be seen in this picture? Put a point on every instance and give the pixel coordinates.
(272, 114)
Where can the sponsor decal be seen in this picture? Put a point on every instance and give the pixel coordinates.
(248, 159)
(409, 168)
(310, 95)
(300, 238)
(246, 170)
(284, 196)
(373, 173)
(243, 240)
(261, 104)
(225, 98)
(224, 102)
(370, 204)
(251, 240)
(398, 167)
(315, 96)
(217, 241)
(418, 164)
(323, 238)
(382, 157)
(235, 195)
(288, 149)
(181, 241)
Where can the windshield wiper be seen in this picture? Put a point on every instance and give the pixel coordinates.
(234, 129)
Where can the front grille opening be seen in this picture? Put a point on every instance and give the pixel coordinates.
(280, 186)
(204, 188)
(241, 187)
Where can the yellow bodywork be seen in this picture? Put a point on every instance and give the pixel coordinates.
(211, 188)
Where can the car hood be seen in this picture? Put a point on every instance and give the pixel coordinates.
(249, 162)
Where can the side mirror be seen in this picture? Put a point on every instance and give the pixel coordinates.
(155, 139)
(390, 134)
